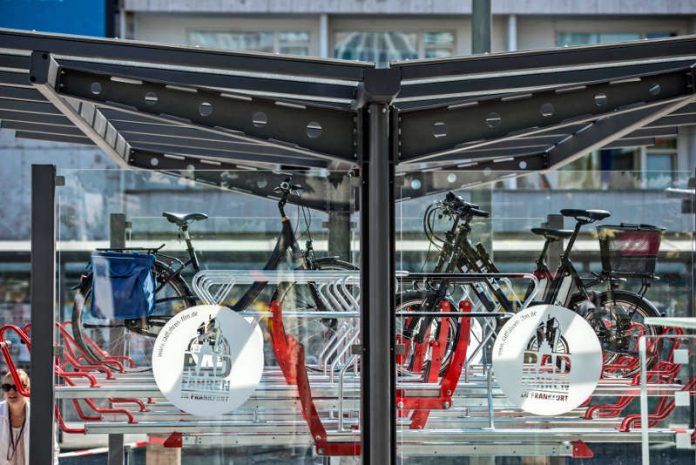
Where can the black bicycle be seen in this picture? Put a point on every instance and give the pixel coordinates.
(173, 294)
(617, 316)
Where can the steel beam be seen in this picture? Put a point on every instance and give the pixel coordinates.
(43, 301)
(21, 93)
(12, 115)
(450, 89)
(85, 116)
(249, 156)
(14, 62)
(125, 50)
(15, 78)
(52, 137)
(38, 127)
(319, 193)
(630, 142)
(311, 130)
(679, 119)
(314, 90)
(609, 129)
(428, 133)
(26, 106)
(591, 57)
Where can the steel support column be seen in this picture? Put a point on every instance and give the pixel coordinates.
(377, 215)
(117, 240)
(480, 26)
(377, 156)
(43, 299)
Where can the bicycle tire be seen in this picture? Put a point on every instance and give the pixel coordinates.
(312, 333)
(175, 290)
(607, 304)
(412, 301)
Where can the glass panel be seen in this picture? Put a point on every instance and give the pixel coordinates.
(660, 167)
(659, 35)
(438, 38)
(585, 38)
(519, 353)
(294, 43)
(226, 319)
(285, 37)
(251, 41)
(380, 47)
(667, 385)
(294, 50)
(438, 52)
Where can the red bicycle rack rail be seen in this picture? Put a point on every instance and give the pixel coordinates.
(291, 359)
(661, 372)
(73, 360)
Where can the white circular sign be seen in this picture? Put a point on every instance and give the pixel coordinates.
(547, 359)
(208, 360)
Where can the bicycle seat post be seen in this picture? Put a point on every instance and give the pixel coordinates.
(571, 240)
(189, 246)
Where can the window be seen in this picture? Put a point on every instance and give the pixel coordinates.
(383, 47)
(660, 164)
(289, 42)
(438, 44)
(564, 39)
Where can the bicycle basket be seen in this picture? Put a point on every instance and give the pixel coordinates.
(123, 286)
(629, 250)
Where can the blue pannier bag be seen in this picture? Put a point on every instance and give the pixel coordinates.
(123, 286)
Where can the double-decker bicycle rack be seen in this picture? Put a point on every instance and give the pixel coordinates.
(458, 410)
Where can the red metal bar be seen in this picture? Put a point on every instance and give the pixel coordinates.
(63, 427)
(284, 346)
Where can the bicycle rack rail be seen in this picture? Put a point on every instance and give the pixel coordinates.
(458, 410)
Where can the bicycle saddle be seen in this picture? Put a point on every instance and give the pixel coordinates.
(586, 216)
(182, 219)
(553, 234)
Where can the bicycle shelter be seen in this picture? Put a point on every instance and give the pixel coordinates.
(488, 118)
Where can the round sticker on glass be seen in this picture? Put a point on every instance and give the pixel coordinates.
(547, 360)
(208, 360)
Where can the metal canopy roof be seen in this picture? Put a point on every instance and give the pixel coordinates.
(182, 108)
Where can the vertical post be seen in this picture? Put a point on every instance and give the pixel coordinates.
(481, 43)
(117, 240)
(553, 258)
(339, 234)
(376, 141)
(43, 298)
(480, 26)
(376, 211)
(512, 33)
(324, 35)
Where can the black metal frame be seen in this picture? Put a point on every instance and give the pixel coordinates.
(43, 305)
(487, 117)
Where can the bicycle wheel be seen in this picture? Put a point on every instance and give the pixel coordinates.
(410, 361)
(618, 318)
(326, 340)
(134, 338)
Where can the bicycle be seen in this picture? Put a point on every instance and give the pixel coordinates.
(173, 294)
(616, 315)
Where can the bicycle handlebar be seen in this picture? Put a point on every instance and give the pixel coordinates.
(457, 205)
